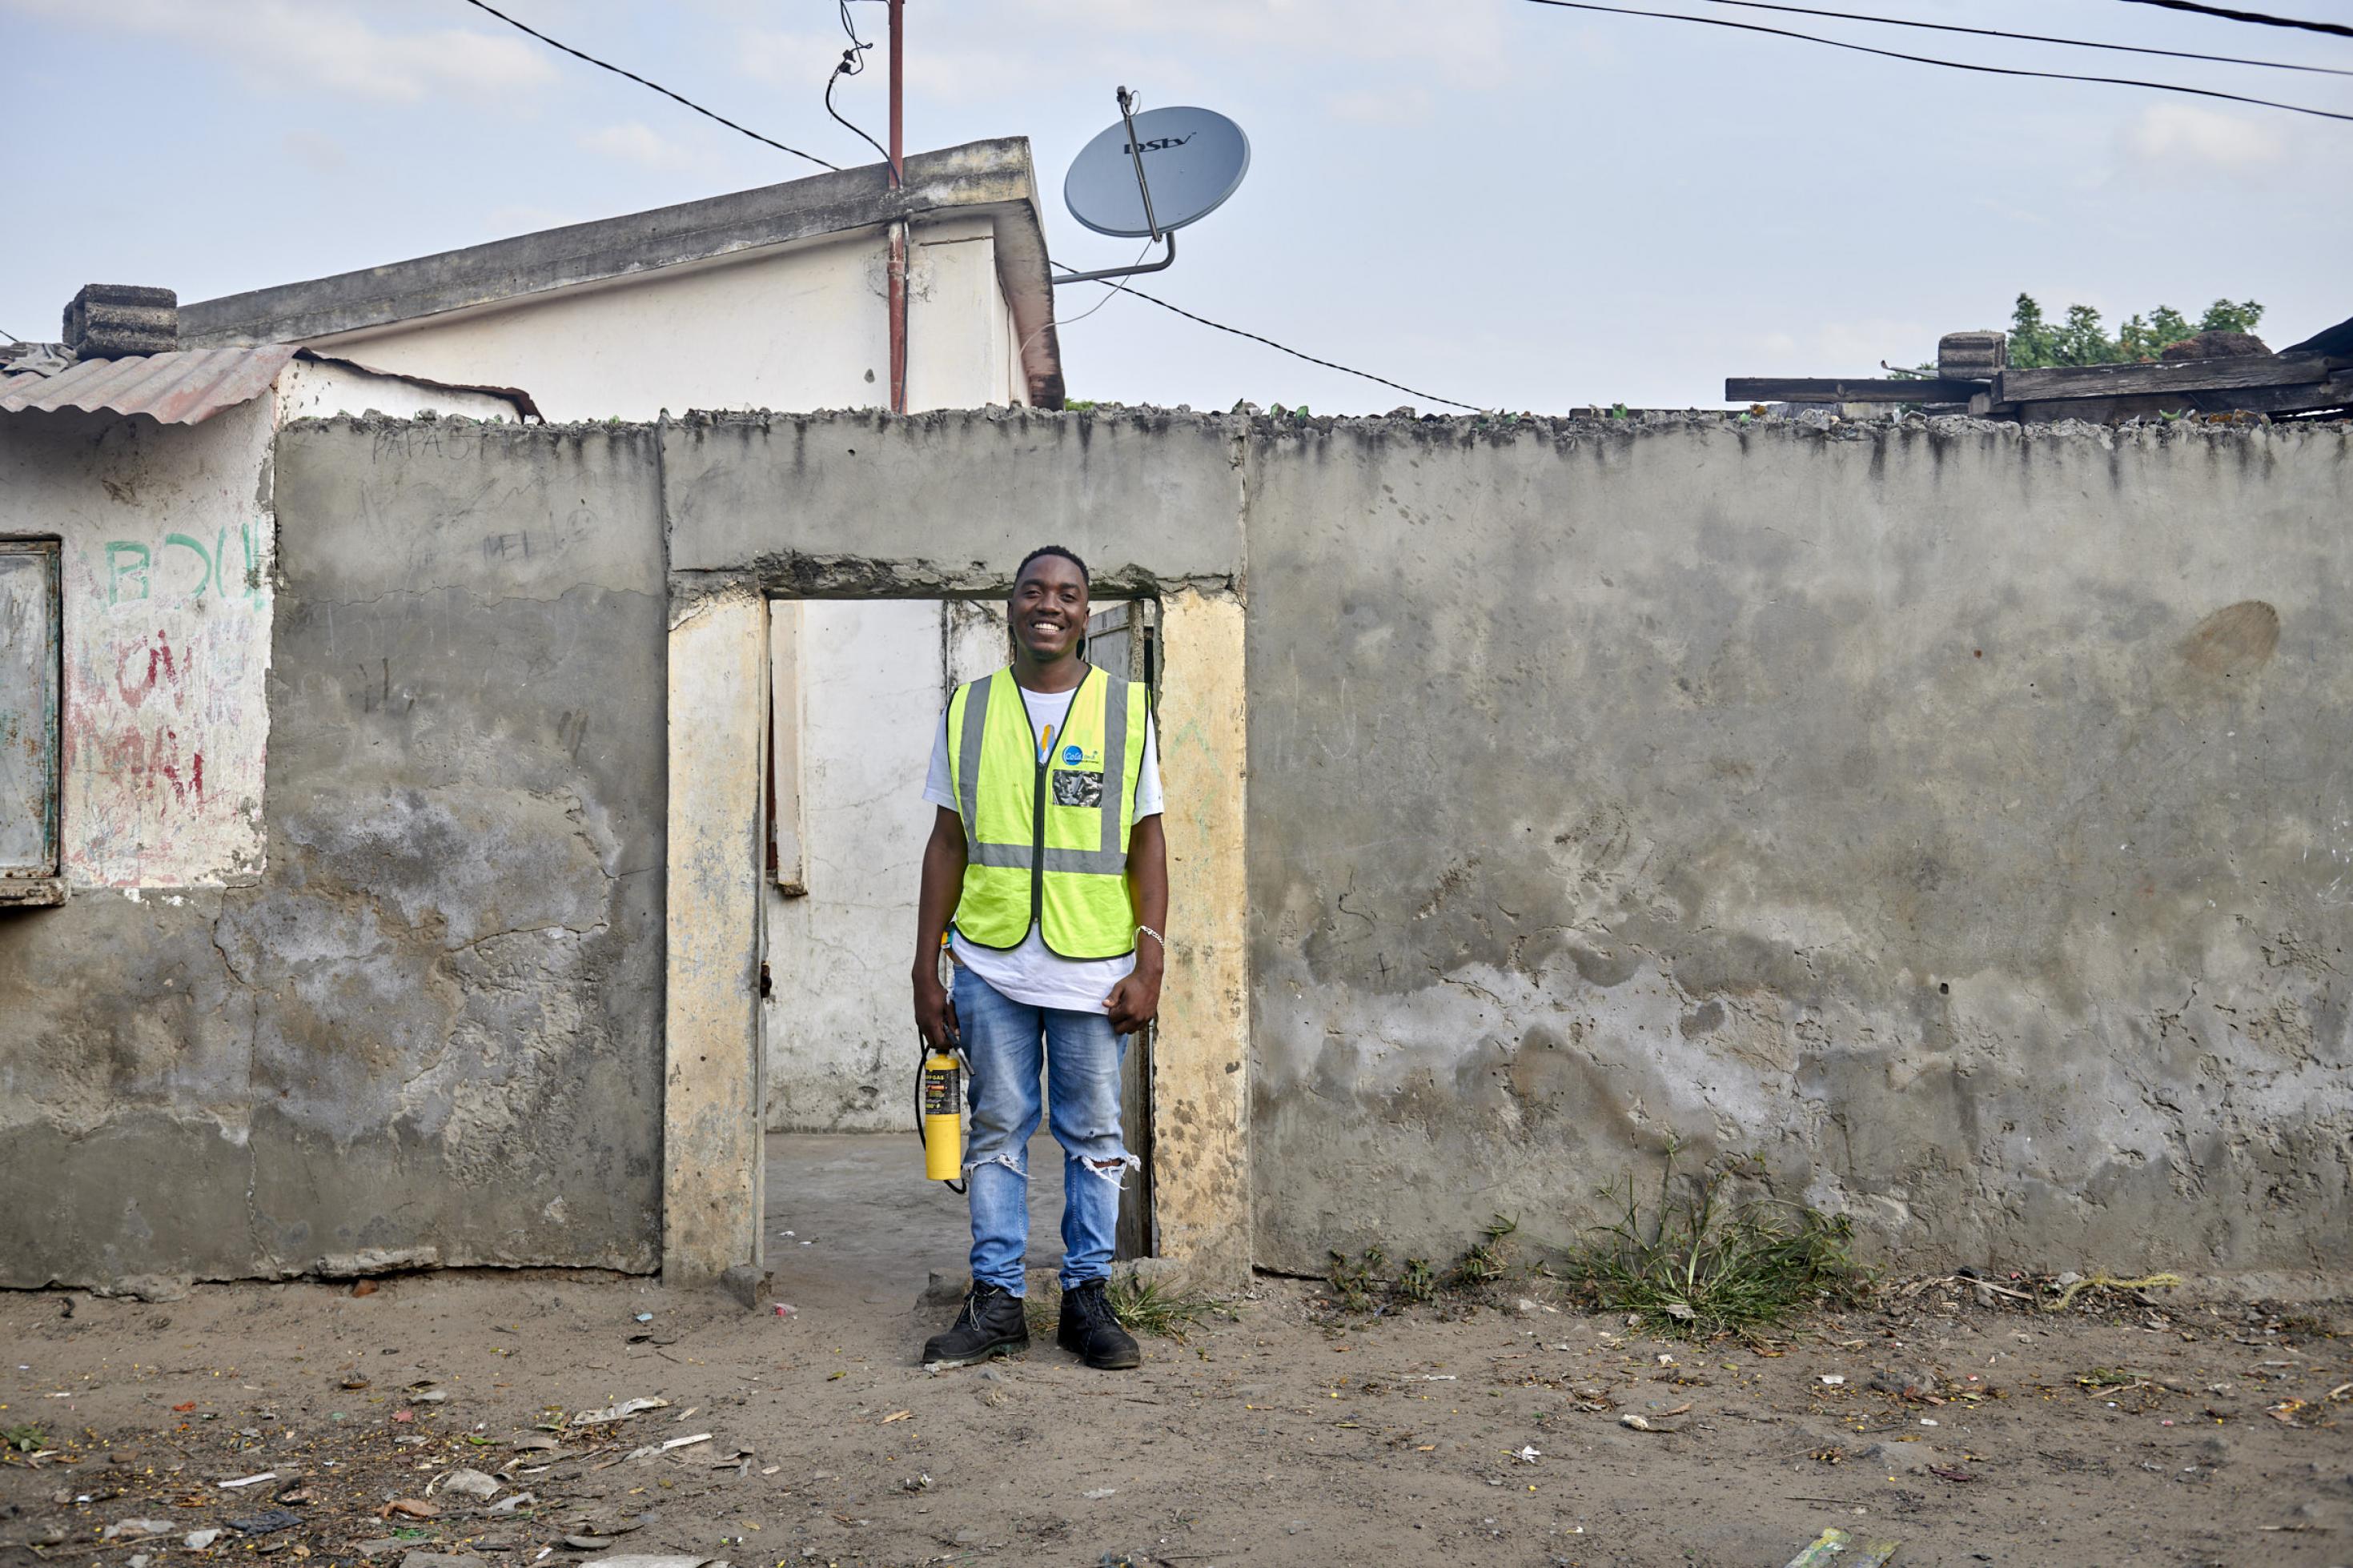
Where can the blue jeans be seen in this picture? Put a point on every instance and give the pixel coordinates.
(1080, 1057)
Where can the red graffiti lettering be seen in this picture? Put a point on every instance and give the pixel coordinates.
(159, 662)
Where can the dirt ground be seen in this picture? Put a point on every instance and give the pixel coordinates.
(1278, 1432)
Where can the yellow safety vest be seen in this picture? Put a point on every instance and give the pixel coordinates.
(1046, 839)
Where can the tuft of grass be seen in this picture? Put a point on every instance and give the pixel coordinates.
(25, 1439)
(1489, 1257)
(1362, 1285)
(1700, 1264)
(1142, 1307)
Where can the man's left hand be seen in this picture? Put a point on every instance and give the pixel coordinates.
(1135, 1002)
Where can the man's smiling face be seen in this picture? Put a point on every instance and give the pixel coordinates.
(1050, 608)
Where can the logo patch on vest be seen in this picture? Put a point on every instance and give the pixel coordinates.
(1078, 788)
(1074, 756)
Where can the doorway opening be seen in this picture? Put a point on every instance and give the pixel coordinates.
(857, 692)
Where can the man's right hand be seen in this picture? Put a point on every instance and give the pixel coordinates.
(936, 1017)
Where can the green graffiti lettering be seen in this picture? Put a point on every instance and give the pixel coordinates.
(203, 554)
(116, 571)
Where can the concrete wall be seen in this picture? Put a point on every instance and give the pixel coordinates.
(798, 326)
(429, 1026)
(1958, 820)
(1953, 819)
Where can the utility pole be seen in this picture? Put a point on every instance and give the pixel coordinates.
(898, 267)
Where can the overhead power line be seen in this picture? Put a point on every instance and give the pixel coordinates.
(850, 54)
(1935, 61)
(641, 82)
(853, 63)
(2035, 38)
(2258, 17)
(1294, 353)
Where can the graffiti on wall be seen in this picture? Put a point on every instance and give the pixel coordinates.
(166, 710)
(136, 571)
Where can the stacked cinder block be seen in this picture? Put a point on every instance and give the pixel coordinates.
(111, 321)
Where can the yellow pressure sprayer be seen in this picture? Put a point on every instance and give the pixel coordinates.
(939, 1106)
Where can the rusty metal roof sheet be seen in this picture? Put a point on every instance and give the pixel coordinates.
(187, 387)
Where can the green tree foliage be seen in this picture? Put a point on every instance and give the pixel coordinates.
(2035, 341)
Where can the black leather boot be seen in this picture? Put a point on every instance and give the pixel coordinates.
(1090, 1329)
(991, 1323)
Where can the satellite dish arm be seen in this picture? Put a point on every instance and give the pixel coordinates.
(1144, 189)
(1135, 153)
(1168, 239)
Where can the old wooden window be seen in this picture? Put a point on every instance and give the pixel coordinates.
(31, 680)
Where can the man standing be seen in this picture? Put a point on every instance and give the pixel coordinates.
(1047, 848)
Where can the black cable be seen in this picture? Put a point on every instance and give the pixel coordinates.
(2035, 38)
(602, 65)
(12, 337)
(853, 63)
(1935, 61)
(1294, 353)
(2339, 28)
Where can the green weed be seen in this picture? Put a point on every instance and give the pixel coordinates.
(1141, 1305)
(1701, 1263)
(25, 1439)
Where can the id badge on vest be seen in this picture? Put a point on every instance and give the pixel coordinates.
(1078, 777)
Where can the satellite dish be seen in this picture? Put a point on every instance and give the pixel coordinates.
(1192, 160)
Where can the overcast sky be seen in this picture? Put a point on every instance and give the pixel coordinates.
(1491, 200)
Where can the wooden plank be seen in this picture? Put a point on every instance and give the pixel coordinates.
(2334, 394)
(787, 835)
(1855, 389)
(2180, 375)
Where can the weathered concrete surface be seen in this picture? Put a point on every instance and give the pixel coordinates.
(712, 1133)
(1959, 821)
(432, 1029)
(866, 506)
(1200, 1082)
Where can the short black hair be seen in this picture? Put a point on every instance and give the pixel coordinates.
(1068, 555)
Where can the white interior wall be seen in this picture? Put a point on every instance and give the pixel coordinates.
(873, 677)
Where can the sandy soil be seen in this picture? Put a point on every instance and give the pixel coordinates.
(1277, 1432)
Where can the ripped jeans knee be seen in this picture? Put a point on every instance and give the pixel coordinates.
(1113, 1170)
(1013, 1160)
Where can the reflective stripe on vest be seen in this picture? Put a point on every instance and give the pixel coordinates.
(1036, 850)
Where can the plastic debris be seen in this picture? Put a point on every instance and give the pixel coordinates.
(248, 1480)
(510, 1502)
(197, 1539)
(469, 1483)
(615, 1413)
(1835, 1546)
(651, 1450)
(1100, 1494)
(129, 1529)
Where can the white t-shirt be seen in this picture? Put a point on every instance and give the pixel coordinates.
(1033, 973)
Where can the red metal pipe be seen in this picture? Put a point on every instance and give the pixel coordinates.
(898, 266)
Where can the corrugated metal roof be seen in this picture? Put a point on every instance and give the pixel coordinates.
(185, 387)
